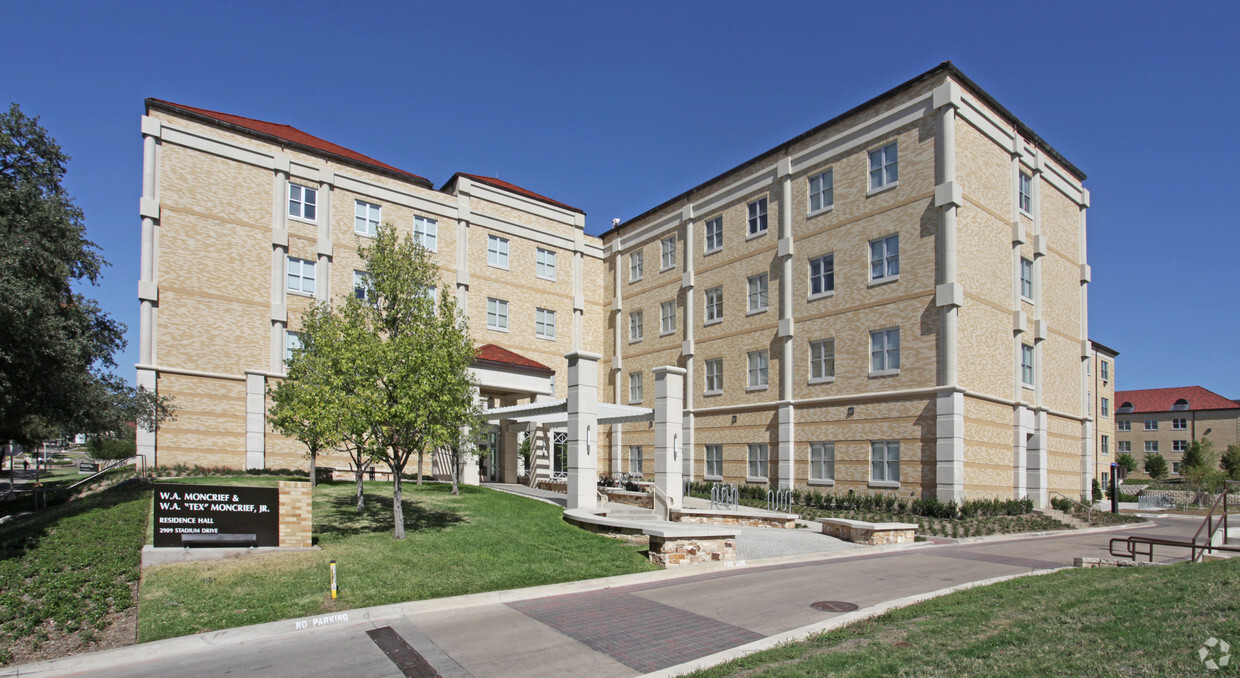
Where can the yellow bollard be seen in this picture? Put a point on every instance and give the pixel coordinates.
(333, 580)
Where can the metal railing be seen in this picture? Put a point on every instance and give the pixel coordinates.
(1089, 510)
(724, 497)
(658, 494)
(40, 494)
(1198, 547)
(779, 500)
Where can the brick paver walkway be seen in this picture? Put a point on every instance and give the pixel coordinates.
(639, 633)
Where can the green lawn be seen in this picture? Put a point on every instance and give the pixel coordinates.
(482, 540)
(68, 570)
(1147, 621)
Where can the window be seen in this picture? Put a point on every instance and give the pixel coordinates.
(884, 168)
(1180, 404)
(1104, 368)
(1123, 426)
(300, 275)
(426, 233)
(1026, 192)
(759, 362)
(885, 351)
(559, 454)
(635, 326)
(1106, 479)
(1026, 364)
(667, 317)
(635, 387)
(885, 461)
(302, 202)
(1026, 278)
(821, 461)
(1179, 424)
(545, 264)
(1179, 446)
(292, 341)
(821, 360)
(714, 376)
(714, 235)
(1123, 446)
(362, 285)
(366, 218)
(1151, 424)
(757, 217)
(821, 275)
(544, 323)
(1176, 466)
(885, 258)
(497, 314)
(635, 266)
(1151, 446)
(1105, 407)
(821, 191)
(714, 305)
(1105, 444)
(714, 461)
(635, 460)
(759, 453)
(497, 251)
(668, 259)
(758, 298)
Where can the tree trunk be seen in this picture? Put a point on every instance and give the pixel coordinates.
(456, 469)
(313, 476)
(419, 468)
(398, 512)
(361, 497)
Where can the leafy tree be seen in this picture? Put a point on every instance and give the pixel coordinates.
(1195, 457)
(1231, 461)
(1155, 465)
(1200, 468)
(1097, 490)
(415, 353)
(1126, 462)
(112, 448)
(55, 344)
(308, 405)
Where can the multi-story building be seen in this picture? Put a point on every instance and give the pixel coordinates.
(895, 300)
(1102, 385)
(1168, 420)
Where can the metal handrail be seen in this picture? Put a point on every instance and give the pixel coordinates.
(1089, 510)
(1198, 550)
(656, 493)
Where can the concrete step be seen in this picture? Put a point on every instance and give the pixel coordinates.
(1062, 517)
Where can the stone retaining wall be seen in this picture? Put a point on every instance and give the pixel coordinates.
(678, 551)
(617, 496)
(712, 518)
(872, 534)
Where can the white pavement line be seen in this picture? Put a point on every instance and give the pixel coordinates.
(830, 625)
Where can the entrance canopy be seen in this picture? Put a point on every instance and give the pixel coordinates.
(554, 414)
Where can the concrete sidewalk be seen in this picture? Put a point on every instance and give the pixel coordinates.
(620, 626)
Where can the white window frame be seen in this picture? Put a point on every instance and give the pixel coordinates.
(635, 460)
(1026, 279)
(884, 352)
(1104, 370)
(1105, 407)
(714, 462)
(636, 330)
(1151, 446)
(1104, 444)
(1180, 446)
(884, 167)
(1123, 446)
(824, 278)
(426, 233)
(667, 318)
(1025, 193)
(544, 323)
(759, 296)
(756, 224)
(292, 340)
(1027, 364)
(363, 284)
(637, 264)
(1151, 424)
(822, 463)
(305, 272)
(714, 377)
(713, 306)
(759, 370)
(822, 361)
(366, 218)
(885, 259)
(1123, 426)
(667, 248)
(1177, 467)
(822, 188)
(306, 197)
(544, 263)
(1179, 424)
(635, 387)
(497, 251)
(758, 466)
(497, 314)
(713, 240)
(885, 463)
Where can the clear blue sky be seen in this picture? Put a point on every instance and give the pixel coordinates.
(616, 107)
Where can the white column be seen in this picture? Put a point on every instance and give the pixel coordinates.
(949, 449)
(668, 427)
(787, 411)
(1037, 457)
(469, 452)
(323, 287)
(279, 260)
(148, 289)
(617, 360)
(255, 419)
(689, 348)
(1022, 431)
(582, 429)
(146, 439)
(949, 296)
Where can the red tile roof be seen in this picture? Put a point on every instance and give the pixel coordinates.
(289, 134)
(491, 355)
(500, 183)
(1162, 399)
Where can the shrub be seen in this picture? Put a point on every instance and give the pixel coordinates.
(1155, 465)
(1097, 493)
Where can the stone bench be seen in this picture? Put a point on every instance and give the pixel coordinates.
(670, 545)
(863, 532)
(744, 516)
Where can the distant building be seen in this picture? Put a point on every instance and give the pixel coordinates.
(1167, 420)
(1102, 386)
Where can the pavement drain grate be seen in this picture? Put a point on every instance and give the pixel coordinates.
(402, 654)
(833, 606)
